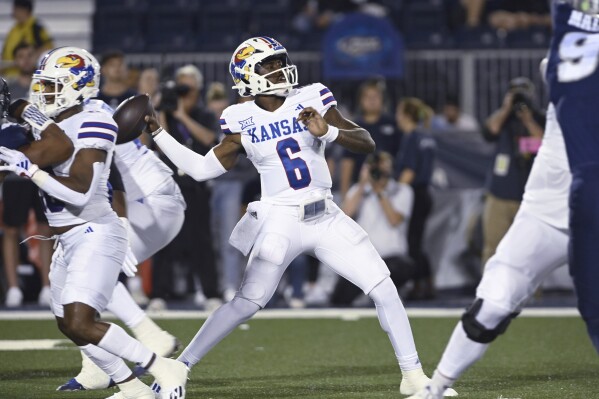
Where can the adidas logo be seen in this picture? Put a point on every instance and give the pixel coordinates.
(299, 107)
(89, 230)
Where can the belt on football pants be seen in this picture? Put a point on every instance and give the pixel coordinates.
(312, 210)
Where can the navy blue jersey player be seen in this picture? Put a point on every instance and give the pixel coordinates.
(573, 80)
(546, 231)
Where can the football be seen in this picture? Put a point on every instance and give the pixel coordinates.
(130, 117)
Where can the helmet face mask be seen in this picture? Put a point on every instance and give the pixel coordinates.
(66, 77)
(252, 72)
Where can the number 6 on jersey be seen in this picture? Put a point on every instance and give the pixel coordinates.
(296, 169)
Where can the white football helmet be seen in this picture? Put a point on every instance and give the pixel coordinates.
(249, 55)
(73, 75)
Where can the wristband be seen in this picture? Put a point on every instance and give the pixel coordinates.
(36, 118)
(331, 134)
(39, 177)
(157, 132)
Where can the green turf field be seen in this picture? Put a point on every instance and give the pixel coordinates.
(330, 358)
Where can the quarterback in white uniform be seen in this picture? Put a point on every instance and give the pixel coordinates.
(534, 246)
(155, 210)
(91, 240)
(284, 133)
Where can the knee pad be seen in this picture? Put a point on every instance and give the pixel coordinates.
(476, 331)
(272, 248)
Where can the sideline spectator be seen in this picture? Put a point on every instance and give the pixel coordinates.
(415, 167)
(25, 63)
(149, 83)
(452, 118)
(27, 29)
(190, 124)
(216, 98)
(512, 15)
(372, 116)
(382, 206)
(517, 127)
(114, 88)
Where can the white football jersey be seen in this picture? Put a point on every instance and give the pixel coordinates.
(141, 170)
(548, 187)
(289, 159)
(87, 129)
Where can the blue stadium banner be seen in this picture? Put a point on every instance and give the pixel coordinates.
(360, 46)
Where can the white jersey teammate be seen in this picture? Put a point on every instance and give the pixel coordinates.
(534, 246)
(155, 213)
(284, 133)
(91, 240)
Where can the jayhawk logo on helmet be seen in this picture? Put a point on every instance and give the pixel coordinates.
(76, 65)
(239, 63)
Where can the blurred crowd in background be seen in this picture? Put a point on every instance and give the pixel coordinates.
(391, 194)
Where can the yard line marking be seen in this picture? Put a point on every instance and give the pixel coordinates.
(326, 313)
(34, 344)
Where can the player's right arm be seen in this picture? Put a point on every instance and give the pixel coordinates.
(218, 160)
(54, 147)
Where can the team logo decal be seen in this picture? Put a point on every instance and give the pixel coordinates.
(76, 65)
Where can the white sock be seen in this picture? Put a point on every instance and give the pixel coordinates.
(394, 321)
(145, 327)
(216, 327)
(112, 365)
(460, 354)
(461, 351)
(124, 307)
(118, 342)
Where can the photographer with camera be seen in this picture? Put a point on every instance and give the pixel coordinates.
(382, 206)
(517, 127)
(182, 114)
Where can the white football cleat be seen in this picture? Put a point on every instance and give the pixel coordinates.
(121, 395)
(89, 378)
(431, 392)
(415, 381)
(155, 338)
(171, 376)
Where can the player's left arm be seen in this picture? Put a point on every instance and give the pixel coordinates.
(80, 185)
(334, 127)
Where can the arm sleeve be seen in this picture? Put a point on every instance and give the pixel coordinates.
(197, 166)
(115, 179)
(61, 192)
